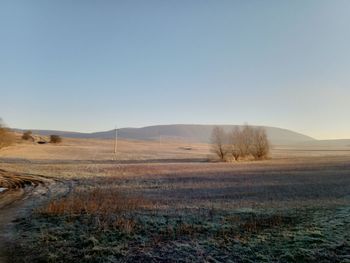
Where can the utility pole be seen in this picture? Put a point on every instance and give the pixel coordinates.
(115, 143)
(160, 138)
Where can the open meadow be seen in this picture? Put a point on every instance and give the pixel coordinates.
(175, 131)
(170, 202)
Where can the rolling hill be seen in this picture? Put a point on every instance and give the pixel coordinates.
(187, 132)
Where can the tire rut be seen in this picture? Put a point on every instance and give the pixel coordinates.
(23, 193)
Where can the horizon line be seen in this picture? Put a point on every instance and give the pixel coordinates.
(176, 124)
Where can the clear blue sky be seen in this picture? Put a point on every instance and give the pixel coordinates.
(88, 65)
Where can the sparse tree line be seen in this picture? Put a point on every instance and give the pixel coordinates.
(8, 137)
(242, 143)
(28, 136)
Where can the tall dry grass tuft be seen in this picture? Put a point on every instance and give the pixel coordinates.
(94, 201)
(106, 207)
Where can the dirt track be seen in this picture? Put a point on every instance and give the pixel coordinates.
(22, 193)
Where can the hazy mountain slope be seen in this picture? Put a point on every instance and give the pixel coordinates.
(339, 143)
(193, 133)
(201, 133)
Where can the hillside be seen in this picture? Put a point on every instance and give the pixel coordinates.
(190, 133)
(336, 143)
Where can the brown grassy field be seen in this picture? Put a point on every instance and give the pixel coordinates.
(166, 203)
(93, 149)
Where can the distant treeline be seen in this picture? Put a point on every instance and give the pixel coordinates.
(8, 137)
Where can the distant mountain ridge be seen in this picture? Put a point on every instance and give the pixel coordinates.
(187, 132)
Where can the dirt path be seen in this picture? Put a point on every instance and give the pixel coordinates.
(22, 193)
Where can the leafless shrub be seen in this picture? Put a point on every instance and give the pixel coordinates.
(218, 140)
(55, 139)
(27, 136)
(260, 147)
(7, 137)
(241, 140)
(249, 142)
(237, 148)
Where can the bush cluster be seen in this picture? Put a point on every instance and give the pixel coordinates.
(55, 139)
(27, 136)
(240, 143)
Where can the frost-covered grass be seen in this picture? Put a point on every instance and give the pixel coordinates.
(258, 212)
(307, 235)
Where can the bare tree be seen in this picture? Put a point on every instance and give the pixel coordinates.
(235, 141)
(218, 140)
(246, 140)
(6, 136)
(260, 144)
(249, 142)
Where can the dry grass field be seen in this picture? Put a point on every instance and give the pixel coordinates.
(94, 150)
(168, 203)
